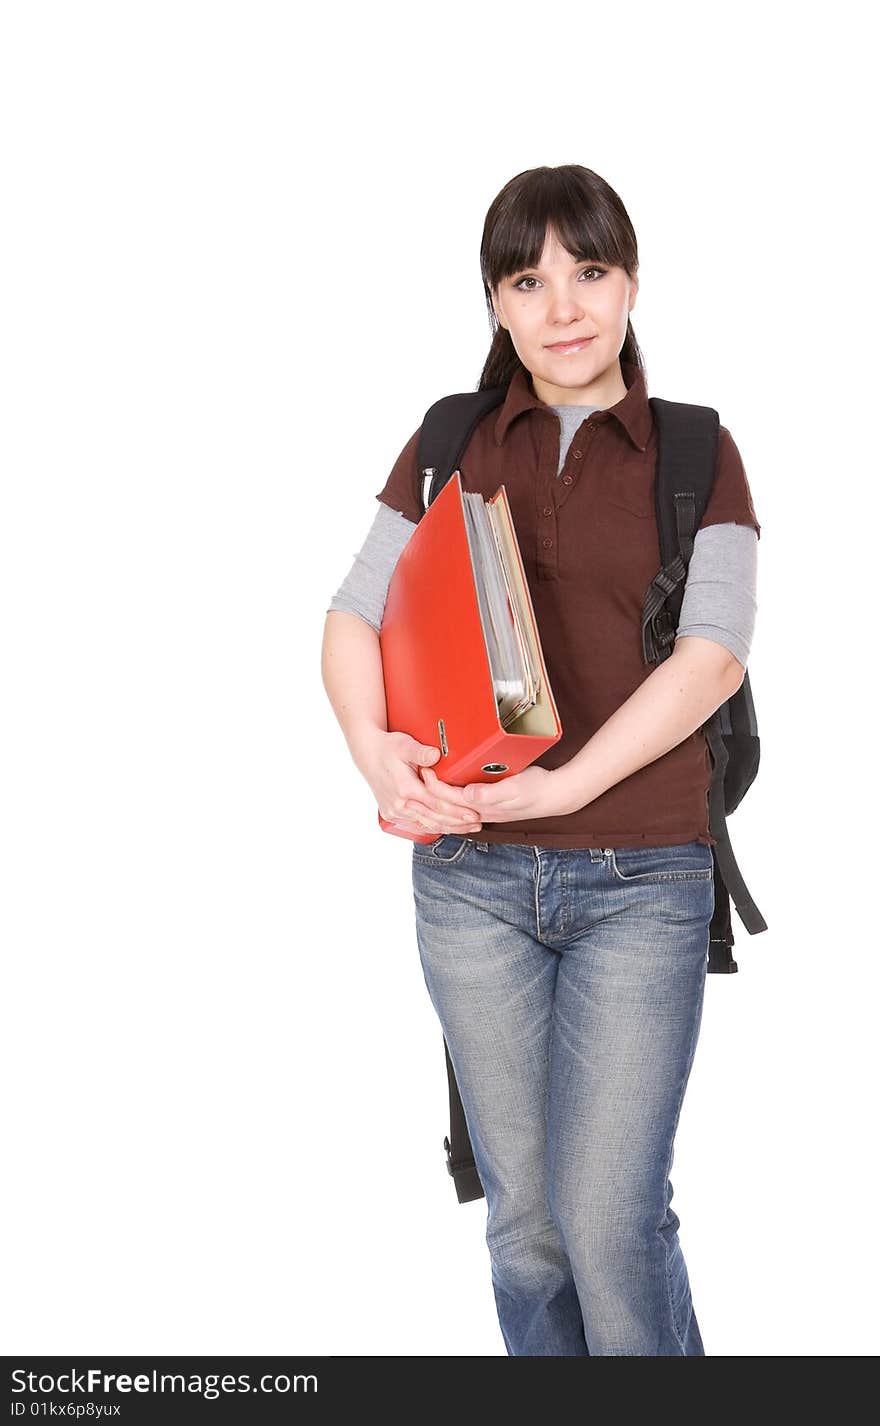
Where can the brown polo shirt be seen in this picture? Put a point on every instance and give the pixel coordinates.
(590, 548)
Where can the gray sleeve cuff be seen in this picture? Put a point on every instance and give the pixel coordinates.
(720, 590)
(365, 587)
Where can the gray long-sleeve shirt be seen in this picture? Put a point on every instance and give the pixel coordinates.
(720, 590)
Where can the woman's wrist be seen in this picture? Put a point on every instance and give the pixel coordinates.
(363, 740)
(568, 796)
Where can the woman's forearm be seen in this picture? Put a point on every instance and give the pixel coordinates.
(672, 703)
(351, 667)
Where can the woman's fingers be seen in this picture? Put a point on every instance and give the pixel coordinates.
(438, 813)
(438, 806)
(433, 809)
(443, 795)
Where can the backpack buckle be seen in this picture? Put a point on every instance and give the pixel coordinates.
(662, 626)
(659, 636)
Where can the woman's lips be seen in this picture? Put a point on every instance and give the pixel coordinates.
(565, 347)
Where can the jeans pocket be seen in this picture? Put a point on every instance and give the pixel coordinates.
(687, 861)
(449, 847)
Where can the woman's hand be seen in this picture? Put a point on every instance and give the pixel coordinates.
(391, 762)
(535, 792)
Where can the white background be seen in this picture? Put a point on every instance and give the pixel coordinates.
(240, 260)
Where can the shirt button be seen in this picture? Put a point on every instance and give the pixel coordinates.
(577, 454)
(566, 480)
(548, 509)
(547, 544)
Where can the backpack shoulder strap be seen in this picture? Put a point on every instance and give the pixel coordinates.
(446, 429)
(687, 451)
(686, 463)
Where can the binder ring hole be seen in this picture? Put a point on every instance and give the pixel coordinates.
(494, 767)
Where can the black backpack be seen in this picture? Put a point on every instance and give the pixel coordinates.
(688, 446)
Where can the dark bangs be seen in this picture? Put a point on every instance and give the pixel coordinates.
(584, 212)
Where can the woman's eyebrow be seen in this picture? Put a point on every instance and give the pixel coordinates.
(579, 263)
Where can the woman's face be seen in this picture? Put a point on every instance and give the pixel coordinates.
(559, 301)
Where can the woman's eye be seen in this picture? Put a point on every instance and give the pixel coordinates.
(519, 285)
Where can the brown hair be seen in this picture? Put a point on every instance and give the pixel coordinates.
(589, 220)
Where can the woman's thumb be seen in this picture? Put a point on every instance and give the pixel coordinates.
(427, 754)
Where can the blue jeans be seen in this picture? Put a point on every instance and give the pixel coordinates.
(569, 985)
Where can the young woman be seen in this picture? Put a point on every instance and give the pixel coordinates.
(563, 913)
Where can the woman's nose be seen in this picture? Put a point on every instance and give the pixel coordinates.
(564, 308)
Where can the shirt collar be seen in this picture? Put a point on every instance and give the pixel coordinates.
(632, 411)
